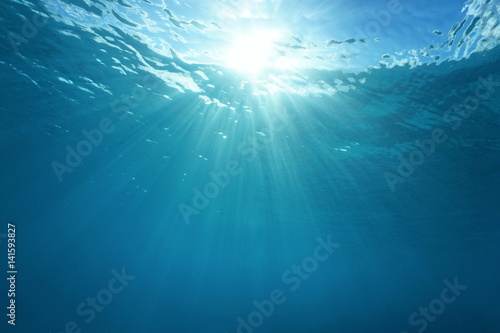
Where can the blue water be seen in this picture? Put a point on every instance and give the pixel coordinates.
(251, 166)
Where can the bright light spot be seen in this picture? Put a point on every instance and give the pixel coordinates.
(253, 52)
(286, 63)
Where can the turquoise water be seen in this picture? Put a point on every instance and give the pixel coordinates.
(251, 166)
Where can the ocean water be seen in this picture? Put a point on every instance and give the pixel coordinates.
(250, 166)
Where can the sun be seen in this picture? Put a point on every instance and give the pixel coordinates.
(254, 51)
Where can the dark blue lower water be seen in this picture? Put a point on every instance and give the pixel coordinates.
(151, 193)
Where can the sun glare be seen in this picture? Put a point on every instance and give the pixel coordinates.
(253, 52)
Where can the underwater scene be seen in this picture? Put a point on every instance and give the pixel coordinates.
(237, 166)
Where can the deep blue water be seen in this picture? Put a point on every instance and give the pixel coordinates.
(165, 173)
